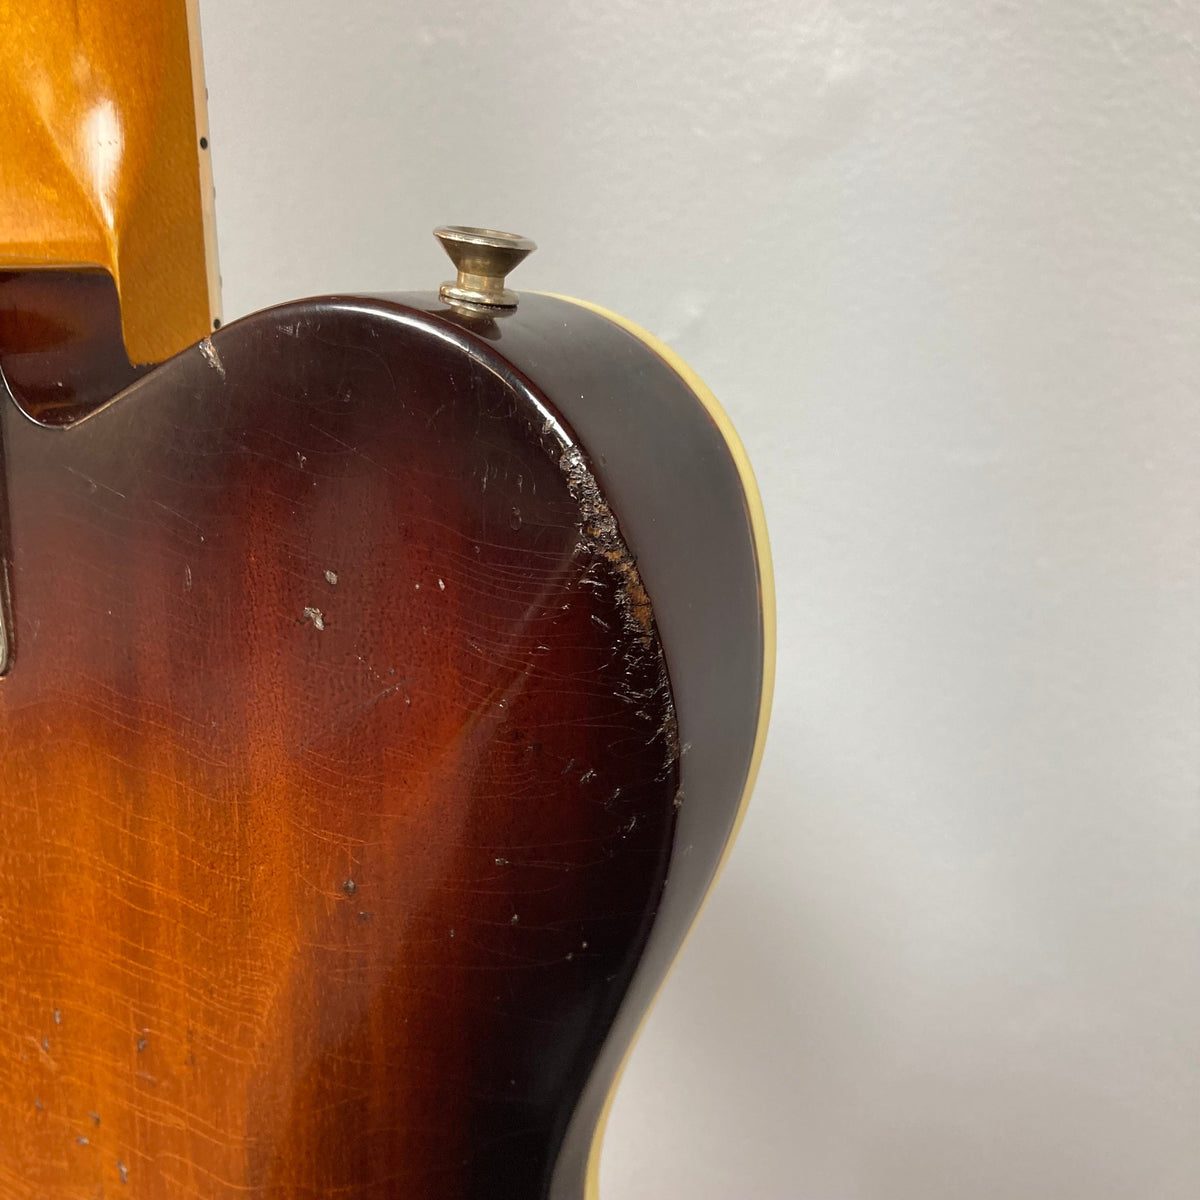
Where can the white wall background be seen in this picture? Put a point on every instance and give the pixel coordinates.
(941, 261)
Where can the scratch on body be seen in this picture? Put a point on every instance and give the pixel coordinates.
(209, 351)
(95, 485)
(43, 1048)
(601, 540)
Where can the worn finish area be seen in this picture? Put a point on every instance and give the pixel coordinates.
(338, 772)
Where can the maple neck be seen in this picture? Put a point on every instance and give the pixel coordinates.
(102, 118)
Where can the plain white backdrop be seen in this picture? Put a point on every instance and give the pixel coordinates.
(941, 263)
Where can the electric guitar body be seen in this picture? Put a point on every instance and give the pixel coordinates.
(384, 680)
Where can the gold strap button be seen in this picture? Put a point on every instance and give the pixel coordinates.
(483, 258)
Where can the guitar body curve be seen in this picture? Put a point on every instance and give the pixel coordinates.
(386, 684)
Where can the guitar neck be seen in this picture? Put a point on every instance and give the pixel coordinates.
(102, 117)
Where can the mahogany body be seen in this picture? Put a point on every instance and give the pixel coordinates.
(339, 768)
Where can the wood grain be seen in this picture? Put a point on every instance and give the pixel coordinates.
(101, 120)
(338, 772)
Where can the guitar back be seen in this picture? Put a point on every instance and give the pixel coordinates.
(383, 681)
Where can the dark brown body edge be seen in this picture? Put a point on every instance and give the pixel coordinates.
(667, 472)
(673, 481)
